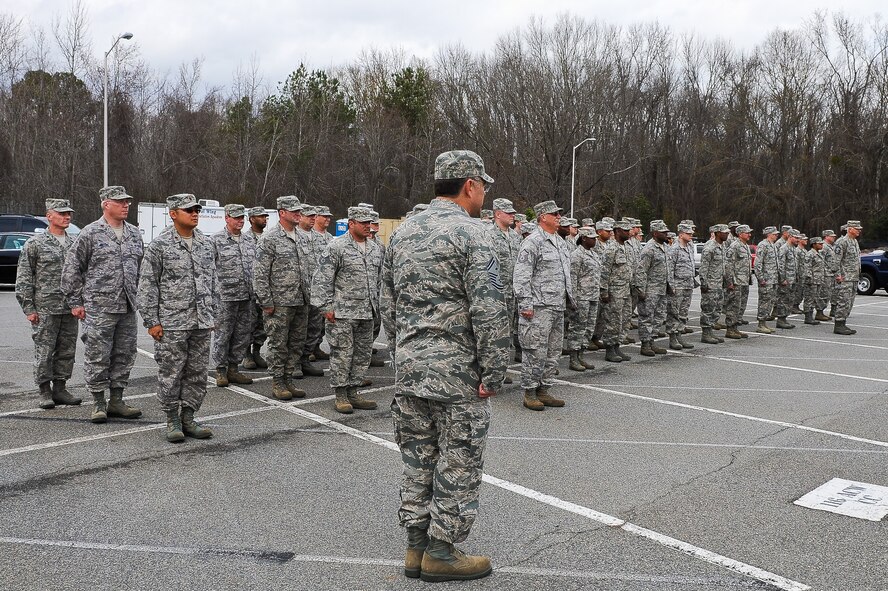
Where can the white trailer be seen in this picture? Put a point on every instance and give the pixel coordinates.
(154, 217)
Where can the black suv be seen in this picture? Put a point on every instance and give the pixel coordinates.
(14, 222)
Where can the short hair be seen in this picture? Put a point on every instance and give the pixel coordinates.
(449, 187)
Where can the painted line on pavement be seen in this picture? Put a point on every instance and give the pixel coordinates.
(591, 514)
(659, 386)
(811, 340)
(724, 413)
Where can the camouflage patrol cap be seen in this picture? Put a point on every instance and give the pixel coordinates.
(375, 215)
(802, 236)
(59, 205)
(816, 240)
(733, 224)
(744, 229)
(460, 164)
(588, 222)
(546, 207)
(623, 224)
(309, 210)
(360, 214)
(608, 220)
(257, 211)
(289, 203)
(659, 226)
(636, 223)
(684, 228)
(565, 222)
(116, 192)
(688, 223)
(854, 224)
(670, 235)
(486, 214)
(794, 233)
(181, 201)
(785, 228)
(770, 230)
(826, 233)
(604, 225)
(233, 210)
(528, 227)
(720, 228)
(323, 210)
(520, 217)
(504, 205)
(586, 232)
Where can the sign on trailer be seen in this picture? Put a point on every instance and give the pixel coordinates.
(846, 497)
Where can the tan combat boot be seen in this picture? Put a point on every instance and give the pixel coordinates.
(359, 402)
(764, 328)
(575, 364)
(547, 399)
(221, 377)
(531, 401)
(657, 349)
(192, 428)
(46, 401)
(586, 364)
(100, 409)
(733, 333)
(279, 389)
(646, 349)
(174, 433)
(236, 377)
(441, 561)
(60, 394)
(118, 408)
(417, 542)
(342, 404)
(821, 317)
(293, 390)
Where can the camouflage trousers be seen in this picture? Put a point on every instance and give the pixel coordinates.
(846, 293)
(582, 322)
(55, 343)
(630, 306)
(711, 304)
(833, 290)
(110, 351)
(651, 315)
(314, 332)
(816, 297)
(182, 357)
(442, 448)
(767, 299)
(234, 329)
(286, 328)
(613, 326)
(259, 336)
(541, 340)
(351, 343)
(798, 294)
(599, 321)
(735, 304)
(677, 309)
(783, 304)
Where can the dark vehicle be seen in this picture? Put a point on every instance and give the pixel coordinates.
(14, 222)
(873, 272)
(11, 244)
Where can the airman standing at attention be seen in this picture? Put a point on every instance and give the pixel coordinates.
(681, 263)
(653, 283)
(739, 271)
(616, 279)
(712, 282)
(506, 243)
(253, 358)
(585, 273)
(311, 250)
(847, 275)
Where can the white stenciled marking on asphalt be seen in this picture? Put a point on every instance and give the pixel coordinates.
(849, 498)
(586, 512)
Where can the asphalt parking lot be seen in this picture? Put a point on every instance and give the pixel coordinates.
(672, 473)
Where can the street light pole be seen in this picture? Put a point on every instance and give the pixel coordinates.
(107, 53)
(573, 166)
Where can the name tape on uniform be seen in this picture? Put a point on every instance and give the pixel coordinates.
(846, 497)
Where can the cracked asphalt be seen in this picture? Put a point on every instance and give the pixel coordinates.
(702, 446)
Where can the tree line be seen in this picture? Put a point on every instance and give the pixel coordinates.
(794, 130)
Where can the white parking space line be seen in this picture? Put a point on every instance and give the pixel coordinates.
(591, 514)
(812, 340)
(724, 413)
(661, 387)
(32, 410)
(869, 326)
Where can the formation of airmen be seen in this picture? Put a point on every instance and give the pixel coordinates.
(456, 297)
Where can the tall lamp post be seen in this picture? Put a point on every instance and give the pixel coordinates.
(126, 36)
(573, 166)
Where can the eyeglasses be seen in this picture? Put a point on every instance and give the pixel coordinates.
(192, 209)
(484, 184)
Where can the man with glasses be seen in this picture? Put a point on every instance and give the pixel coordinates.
(100, 280)
(179, 300)
(543, 290)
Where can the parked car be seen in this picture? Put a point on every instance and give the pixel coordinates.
(873, 272)
(11, 244)
(15, 222)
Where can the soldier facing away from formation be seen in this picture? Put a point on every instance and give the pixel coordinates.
(38, 291)
(440, 276)
(235, 253)
(178, 300)
(100, 280)
(345, 290)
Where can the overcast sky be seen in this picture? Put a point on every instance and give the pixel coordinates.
(322, 33)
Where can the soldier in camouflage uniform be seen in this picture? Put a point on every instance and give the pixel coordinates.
(520, 219)
(487, 216)
(235, 253)
(542, 289)
(505, 243)
(787, 269)
(99, 280)
(53, 328)
(829, 257)
(585, 274)
(847, 274)
(310, 247)
(439, 277)
(712, 282)
(605, 230)
(814, 281)
(801, 256)
(681, 265)
(528, 228)
(653, 284)
(566, 229)
(738, 264)
(253, 359)
(616, 281)
(322, 238)
(178, 299)
(633, 245)
(280, 291)
(346, 291)
(767, 267)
